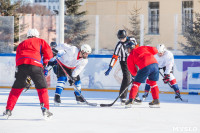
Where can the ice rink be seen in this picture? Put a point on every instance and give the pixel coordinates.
(172, 117)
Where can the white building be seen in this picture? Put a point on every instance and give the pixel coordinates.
(50, 4)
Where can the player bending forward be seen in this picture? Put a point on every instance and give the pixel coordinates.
(166, 62)
(121, 53)
(31, 55)
(143, 58)
(73, 61)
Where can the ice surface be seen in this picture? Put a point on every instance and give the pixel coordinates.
(172, 117)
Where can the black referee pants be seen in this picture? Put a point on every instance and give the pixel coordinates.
(125, 80)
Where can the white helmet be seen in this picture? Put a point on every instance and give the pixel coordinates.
(32, 33)
(86, 48)
(161, 48)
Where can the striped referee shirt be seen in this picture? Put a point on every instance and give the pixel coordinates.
(121, 51)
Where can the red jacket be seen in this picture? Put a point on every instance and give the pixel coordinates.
(33, 51)
(141, 57)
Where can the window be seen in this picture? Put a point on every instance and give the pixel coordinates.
(187, 15)
(153, 18)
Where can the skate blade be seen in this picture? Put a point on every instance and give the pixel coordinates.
(82, 103)
(143, 99)
(136, 103)
(6, 116)
(122, 104)
(56, 104)
(46, 118)
(128, 106)
(154, 106)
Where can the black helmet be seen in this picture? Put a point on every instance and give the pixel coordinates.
(130, 45)
(53, 44)
(121, 34)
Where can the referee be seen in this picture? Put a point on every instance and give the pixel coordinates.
(122, 55)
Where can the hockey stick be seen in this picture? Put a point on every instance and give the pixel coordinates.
(111, 104)
(69, 77)
(184, 100)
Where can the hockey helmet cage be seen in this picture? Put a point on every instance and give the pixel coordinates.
(32, 33)
(53, 44)
(121, 34)
(161, 48)
(86, 48)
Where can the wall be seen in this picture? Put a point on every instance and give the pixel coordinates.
(186, 71)
(122, 8)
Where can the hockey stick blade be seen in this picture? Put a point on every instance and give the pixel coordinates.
(184, 100)
(109, 105)
(106, 105)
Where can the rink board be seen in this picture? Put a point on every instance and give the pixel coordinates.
(186, 71)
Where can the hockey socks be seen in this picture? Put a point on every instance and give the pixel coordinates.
(174, 85)
(60, 85)
(43, 97)
(13, 97)
(154, 89)
(134, 90)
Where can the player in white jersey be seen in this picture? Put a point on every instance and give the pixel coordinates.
(166, 62)
(73, 61)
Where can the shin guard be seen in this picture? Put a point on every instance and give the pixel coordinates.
(134, 90)
(43, 97)
(13, 97)
(174, 85)
(154, 89)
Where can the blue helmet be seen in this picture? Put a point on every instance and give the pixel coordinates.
(130, 45)
(53, 44)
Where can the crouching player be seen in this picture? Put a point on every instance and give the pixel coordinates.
(166, 62)
(143, 58)
(73, 60)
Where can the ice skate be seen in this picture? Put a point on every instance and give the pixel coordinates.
(129, 103)
(7, 113)
(46, 113)
(137, 101)
(144, 96)
(154, 104)
(178, 97)
(79, 99)
(57, 100)
(123, 101)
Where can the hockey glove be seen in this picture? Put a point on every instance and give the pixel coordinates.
(166, 78)
(108, 71)
(28, 83)
(46, 71)
(72, 80)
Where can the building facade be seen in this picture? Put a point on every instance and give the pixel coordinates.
(50, 4)
(163, 21)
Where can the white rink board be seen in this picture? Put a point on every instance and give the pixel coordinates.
(93, 76)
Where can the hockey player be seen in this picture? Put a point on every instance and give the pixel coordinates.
(31, 55)
(143, 58)
(52, 62)
(166, 62)
(120, 52)
(73, 61)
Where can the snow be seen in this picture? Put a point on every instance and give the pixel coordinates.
(172, 117)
